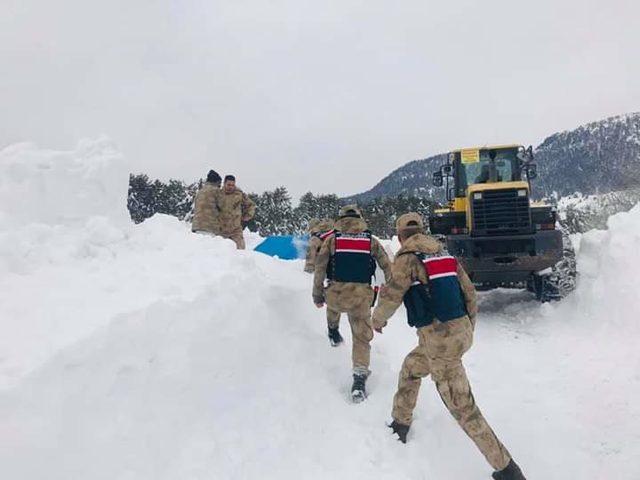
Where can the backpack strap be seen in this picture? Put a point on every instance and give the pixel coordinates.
(324, 235)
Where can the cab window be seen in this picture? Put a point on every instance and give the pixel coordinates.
(493, 166)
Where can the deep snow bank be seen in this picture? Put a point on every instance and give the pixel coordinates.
(147, 352)
(71, 260)
(60, 206)
(609, 267)
(62, 187)
(594, 346)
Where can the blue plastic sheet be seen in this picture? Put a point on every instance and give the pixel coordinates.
(284, 247)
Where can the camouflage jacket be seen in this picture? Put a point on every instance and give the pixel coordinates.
(316, 238)
(408, 269)
(233, 208)
(205, 214)
(345, 289)
(315, 243)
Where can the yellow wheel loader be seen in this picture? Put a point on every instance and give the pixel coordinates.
(490, 223)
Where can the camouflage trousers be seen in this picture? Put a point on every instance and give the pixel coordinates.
(333, 318)
(439, 354)
(237, 236)
(358, 310)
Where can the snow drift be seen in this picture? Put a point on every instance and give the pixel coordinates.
(147, 352)
(62, 188)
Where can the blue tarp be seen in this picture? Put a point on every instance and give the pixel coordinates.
(285, 247)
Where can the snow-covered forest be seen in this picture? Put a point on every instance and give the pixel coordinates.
(275, 212)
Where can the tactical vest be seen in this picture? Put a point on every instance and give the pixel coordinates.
(352, 261)
(441, 298)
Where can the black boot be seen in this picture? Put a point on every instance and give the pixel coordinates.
(511, 472)
(334, 337)
(358, 390)
(400, 430)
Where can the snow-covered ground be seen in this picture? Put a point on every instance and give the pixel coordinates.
(147, 352)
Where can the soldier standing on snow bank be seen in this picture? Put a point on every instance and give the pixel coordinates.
(205, 216)
(236, 209)
(441, 303)
(319, 231)
(348, 259)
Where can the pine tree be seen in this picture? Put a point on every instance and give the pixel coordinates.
(381, 213)
(145, 199)
(274, 213)
(305, 211)
(173, 198)
(140, 200)
(315, 206)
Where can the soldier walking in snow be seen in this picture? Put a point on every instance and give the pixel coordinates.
(441, 303)
(348, 260)
(319, 231)
(236, 209)
(205, 216)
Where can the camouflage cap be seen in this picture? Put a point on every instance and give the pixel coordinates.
(350, 211)
(314, 225)
(409, 224)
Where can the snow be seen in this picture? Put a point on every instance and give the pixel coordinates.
(148, 352)
(53, 187)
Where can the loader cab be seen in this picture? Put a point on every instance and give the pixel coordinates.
(488, 192)
(491, 165)
(491, 225)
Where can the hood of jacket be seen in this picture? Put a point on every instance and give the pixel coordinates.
(350, 225)
(420, 243)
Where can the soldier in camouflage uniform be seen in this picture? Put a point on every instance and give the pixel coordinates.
(235, 208)
(348, 259)
(313, 234)
(205, 216)
(319, 231)
(441, 303)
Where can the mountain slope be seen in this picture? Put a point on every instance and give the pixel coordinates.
(580, 213)
(412, 179)
(599, 157)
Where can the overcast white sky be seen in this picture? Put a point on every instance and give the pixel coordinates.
(328, 96)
